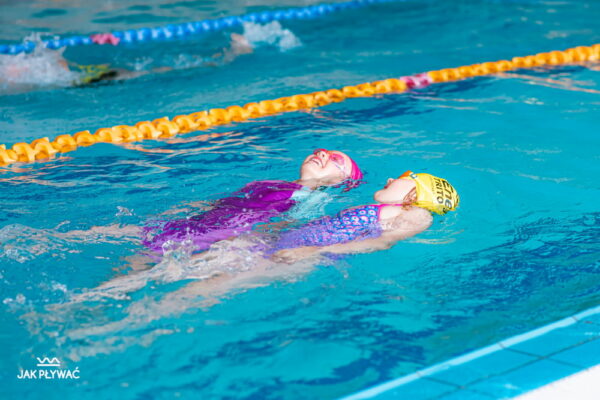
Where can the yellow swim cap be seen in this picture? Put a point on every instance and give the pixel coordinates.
(433, 193)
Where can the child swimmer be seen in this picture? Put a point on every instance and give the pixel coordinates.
(403, 209)
(257, 202)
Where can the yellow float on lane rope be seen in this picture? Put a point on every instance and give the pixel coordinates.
(164, 128)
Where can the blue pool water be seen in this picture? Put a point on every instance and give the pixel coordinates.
(521, 148)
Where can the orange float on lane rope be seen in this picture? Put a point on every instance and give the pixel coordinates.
(163, 127)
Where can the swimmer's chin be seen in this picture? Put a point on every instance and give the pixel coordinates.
(310, 171)
(315, 183)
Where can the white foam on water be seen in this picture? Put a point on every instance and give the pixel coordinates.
(178, 263)
(271, 34)
(42, 67)
(22, 243)
(19, 299)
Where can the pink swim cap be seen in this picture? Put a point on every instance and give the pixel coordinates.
(355, 178)
(355, 174)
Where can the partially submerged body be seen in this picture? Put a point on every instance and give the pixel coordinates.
(387, 224)
(256, 203)
(255, 259)
(43, 64)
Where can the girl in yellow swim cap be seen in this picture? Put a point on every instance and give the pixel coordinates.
(403, 209)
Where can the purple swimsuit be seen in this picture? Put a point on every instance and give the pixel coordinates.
(257, 202)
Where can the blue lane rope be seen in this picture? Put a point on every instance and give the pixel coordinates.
(193, 28)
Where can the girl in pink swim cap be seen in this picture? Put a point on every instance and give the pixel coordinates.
(257, 202)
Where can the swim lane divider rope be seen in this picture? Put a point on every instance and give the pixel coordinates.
(163, 127)
(189, 28)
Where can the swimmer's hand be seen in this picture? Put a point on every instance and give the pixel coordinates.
(290, 256)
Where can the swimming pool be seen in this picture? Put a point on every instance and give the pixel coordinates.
(520, 147)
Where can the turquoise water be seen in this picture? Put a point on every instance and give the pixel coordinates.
(521, 148)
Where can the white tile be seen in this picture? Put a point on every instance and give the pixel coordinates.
(584, 385)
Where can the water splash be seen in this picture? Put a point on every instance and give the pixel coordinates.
(48, 68)
(19, 299)
(42, 67)
(123, 211)
(107, 319)
(179, 263)
(23, 244)
(270, 34)
(253, 37)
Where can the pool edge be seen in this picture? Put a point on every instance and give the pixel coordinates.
(473, 355)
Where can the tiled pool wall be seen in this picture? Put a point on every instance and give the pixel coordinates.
(505, 369)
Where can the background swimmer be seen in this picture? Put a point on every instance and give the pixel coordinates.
(45, 67)
(238, 45)
(26, 68)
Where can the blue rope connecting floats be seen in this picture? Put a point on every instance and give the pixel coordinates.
(175, 31)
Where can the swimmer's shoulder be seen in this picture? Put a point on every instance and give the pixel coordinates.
(411, 218)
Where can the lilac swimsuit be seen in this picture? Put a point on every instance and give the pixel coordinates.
(255, 203)
(357, 223)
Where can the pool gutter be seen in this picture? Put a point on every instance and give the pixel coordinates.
(445, 378)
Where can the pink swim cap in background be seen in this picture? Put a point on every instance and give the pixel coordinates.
(105, 38)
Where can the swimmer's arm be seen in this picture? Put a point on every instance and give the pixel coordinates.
(122, 74)
(406, 227)
(357, 246)
(239, 45)
(408, 223)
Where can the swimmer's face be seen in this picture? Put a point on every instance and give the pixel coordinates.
(397, 191)
(331, 167)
